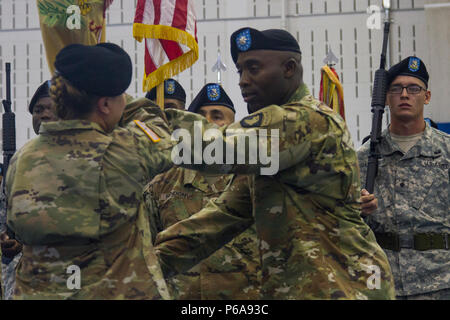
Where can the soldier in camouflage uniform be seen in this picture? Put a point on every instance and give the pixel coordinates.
(42, 109)
(233, 271)
(313, 244)
(74, 191)
(412, 222)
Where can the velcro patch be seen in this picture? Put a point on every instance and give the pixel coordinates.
(149, 132)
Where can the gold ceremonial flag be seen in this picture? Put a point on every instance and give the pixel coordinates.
(64, 22)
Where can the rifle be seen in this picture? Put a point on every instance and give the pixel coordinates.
(378, 104)
(9, 142)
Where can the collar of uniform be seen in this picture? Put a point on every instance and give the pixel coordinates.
(423, 147)
(388, 146)
(300, 93)
(63, 125)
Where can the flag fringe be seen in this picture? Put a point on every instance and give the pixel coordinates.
(141, 31)
(168, 70)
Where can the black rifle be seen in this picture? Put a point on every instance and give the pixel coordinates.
(9, 141)
(378, 104)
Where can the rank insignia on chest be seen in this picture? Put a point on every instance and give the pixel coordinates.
(149, 132)
(170, 87)
(252, 121)
(244, 40)
(414, 64)
(213, 92)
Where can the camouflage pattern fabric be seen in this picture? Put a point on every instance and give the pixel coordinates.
(73, 200)
(413, 197)
(313, 244)
(437, 295)
(9, 277)
(7, 270)
(233, 272)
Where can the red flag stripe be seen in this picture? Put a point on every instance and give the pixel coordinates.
(172, 49)
(140, 8)
(157, 9)
(180, 15)
(149, 64)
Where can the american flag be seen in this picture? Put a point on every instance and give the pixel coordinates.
(170, 31)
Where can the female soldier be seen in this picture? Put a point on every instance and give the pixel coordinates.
(74, 191)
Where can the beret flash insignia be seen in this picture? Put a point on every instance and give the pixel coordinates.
(414, 64)
(170, 87)
(213, 92)
(244, 40)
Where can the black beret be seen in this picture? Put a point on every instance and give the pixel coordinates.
(411, 66)
(247, 39)
(211, 94)
(41, 92)
(172, 90)
(104, 69)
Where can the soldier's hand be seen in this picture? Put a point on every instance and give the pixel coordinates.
(368, 202)
(10, 247)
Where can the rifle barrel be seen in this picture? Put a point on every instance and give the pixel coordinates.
(8, 81)
(387, 25)
(378, 104)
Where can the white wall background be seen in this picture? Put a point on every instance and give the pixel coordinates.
(317, 24)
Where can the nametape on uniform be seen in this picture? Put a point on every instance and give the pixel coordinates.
(149, 132)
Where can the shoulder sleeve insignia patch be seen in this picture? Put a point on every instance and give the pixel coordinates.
(252, 121)
(149, 132)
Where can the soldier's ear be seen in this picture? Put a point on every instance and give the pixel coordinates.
(427, 96)
(103, 106)
(290, 68)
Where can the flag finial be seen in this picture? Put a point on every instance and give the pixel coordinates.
(330, 59)
(218, 67)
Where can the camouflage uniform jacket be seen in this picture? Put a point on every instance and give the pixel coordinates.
(73, 198)
(413, 197)
(231, 272)
(313, 244)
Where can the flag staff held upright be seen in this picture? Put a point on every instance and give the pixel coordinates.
(160, 95)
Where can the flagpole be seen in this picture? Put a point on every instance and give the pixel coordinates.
(160, 95)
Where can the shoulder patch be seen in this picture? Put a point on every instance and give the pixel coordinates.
(149, 132)
(252, 121)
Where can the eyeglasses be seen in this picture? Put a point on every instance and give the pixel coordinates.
(411, 89)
